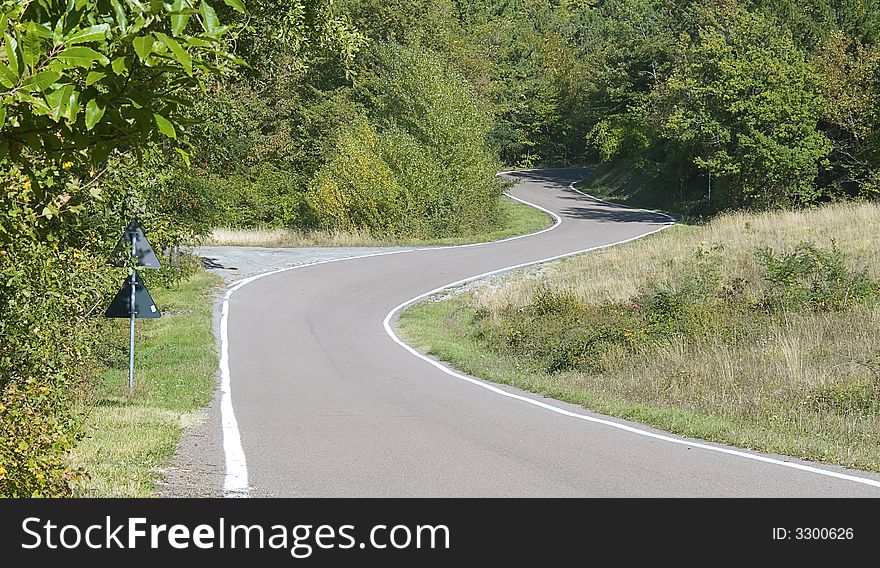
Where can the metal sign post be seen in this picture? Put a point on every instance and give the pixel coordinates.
(131, 325)
(133, 300)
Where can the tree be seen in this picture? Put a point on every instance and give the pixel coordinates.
(744, 103)
(850, 81)
(85, 84)
(813, 21)
(83, 78)
(417, 163)
(628, 50)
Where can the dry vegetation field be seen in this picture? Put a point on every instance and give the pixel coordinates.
(758, 330)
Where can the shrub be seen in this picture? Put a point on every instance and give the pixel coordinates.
(689, 304)
(813, 278)
(263, 196)
(47, 296)
(357, 188)
(417, 164)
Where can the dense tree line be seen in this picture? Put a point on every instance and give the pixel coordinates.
(758, 103)
(772, 103)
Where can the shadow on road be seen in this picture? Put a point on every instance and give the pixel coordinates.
(213, 264)
(588, 208)
(613, 215)
(558, 175)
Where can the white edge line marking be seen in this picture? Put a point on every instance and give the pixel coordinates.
(235, 481)
(680, 441)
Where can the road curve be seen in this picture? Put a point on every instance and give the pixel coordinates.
(327, 404)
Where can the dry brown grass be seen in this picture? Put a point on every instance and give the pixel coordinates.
(803, 383)
(519, 219)
(618, 273)
(290, 238)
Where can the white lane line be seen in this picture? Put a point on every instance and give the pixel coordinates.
(235, 481)
(557, 220)
(638, 431)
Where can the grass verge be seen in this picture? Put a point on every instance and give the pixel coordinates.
(129, 440)
(685, 331)
(520, 219)
(622, 182)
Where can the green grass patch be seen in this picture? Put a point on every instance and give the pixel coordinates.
(129, 440)
(520, 219)
(444, 330)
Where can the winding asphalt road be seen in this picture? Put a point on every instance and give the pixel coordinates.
(328, 404)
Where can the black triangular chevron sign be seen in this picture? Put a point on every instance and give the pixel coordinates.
(144, 307)
(143, 251)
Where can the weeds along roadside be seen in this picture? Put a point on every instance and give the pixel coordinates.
(517, 219)
(758, 330)
(128, 441)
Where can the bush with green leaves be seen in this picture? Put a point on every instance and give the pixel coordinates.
(813, 278)
(87, 77)
(49, 297)
(419, 164)
(85, 87)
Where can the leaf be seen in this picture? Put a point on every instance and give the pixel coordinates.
(80, 56)
(3, 117)
(7, 77)
(178, 23)
(59, 102)
(180, 54)
(38, 103)
(42, 31)
(32, 49)
(121, 18)
(198, 42)
(11, 56)
(143, 46)
(94, 112)
(183, 154)
(42, 80)
(54, 99)
(165, 126)
(237, 4)
(120, 65)
(93, 77)
(86, 35)
(209, 17)
(181, 10)
(72, 105)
